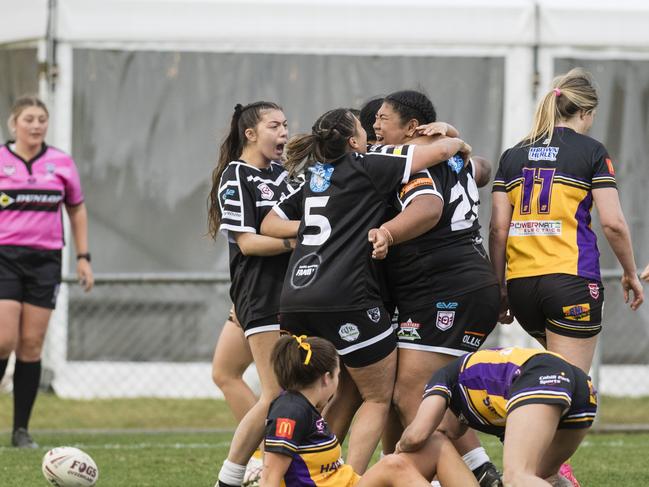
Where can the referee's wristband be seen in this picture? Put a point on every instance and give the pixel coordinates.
(84, 256)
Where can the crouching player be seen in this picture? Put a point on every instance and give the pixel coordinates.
(545, 404)
(299, 449)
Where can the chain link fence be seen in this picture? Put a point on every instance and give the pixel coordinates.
(154, 336)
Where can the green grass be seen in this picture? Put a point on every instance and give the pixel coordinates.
(173, 457)
(193, 459)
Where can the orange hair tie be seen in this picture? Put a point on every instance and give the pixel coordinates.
(304, 346)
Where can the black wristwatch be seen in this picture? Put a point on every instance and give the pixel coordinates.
(84, 256)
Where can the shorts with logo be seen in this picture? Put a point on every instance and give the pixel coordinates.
(562, 303)
(30, 275)
(547, 379)
(361, 337)
(452, 326)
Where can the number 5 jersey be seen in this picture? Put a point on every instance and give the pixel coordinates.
(549, 186)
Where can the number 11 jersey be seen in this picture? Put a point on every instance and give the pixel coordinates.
(550, 187)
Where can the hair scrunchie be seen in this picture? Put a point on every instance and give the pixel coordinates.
(557, 92)
(304, 346)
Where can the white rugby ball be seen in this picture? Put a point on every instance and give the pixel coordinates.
(66, 466)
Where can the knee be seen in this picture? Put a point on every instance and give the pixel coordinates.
(396, 463)
(29, 349)
(223, 377)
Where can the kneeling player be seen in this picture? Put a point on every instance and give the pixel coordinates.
(545, 403)
(300, 450)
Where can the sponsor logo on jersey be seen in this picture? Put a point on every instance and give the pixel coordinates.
(320, 177)
(5, 200)
(374, 314)
(231, 215)
(50, 168)
(414, 184)
(445, 319)
(331, 467)
(408, 330)
(609, 164)
(535, 228)
(285, 428)
(305, 270)
(592, 394)
(266, 192)
(9, 169)
(349, 332)
(446, 305)
(593, 289)
(39, 198)
(473, 339)
(320, 425)
(577, 312)
(560, 378)
(543, 153)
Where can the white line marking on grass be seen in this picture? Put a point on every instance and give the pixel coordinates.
(134, 446)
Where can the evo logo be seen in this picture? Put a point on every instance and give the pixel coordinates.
(449, 305)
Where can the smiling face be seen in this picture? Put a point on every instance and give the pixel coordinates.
(30, 126)
(269, 135)
(389, 128)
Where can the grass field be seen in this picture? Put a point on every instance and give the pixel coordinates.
(173, 458)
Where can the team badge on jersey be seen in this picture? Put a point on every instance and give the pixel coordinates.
(408, 330)
(9, 169)
(593, 288)
(320, 177)
(50, 168)
(284, 428)
(266, 192)
(445, 319)
(349, 332)
(374, 314)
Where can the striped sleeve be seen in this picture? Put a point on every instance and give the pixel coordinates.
(291, 207)
(237, 203)
(441, 382)
(286, 430)
(421, 183)
(499, 179)
(603, 170)
(540, 395)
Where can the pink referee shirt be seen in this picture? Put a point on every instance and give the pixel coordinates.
(31, 193)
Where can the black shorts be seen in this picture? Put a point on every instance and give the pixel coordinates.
(361, 337)
(548, 379)
(564, 304)
(30, 275)
(453, 326)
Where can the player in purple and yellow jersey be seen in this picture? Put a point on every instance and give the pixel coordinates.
(516, 394)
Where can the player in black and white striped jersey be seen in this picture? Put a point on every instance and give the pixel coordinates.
(246, 183)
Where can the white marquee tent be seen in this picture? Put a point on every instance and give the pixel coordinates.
(138, 70)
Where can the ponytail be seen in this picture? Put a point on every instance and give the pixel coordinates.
(243, 118)
(571, 93)
(327, 141)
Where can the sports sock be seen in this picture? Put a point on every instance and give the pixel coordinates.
(3, 366)
(27, 376)
(231, 474)
(475, 458)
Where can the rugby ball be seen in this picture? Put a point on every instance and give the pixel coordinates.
(67, 466)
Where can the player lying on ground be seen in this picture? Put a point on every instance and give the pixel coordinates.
(546, 404)
(301, 451)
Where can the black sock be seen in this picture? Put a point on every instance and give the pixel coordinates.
(27, 377)
(3, 366)
(223, 484)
